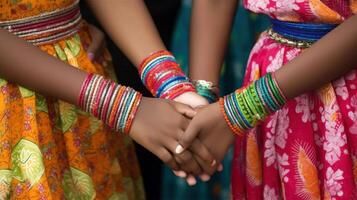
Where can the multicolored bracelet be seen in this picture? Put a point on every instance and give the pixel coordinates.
(162, 75)
(114, 104)
(246, 107)
(207, 90)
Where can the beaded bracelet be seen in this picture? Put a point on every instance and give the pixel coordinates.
(206, 89)
(114, 104)
(162, 75)
(246, 107)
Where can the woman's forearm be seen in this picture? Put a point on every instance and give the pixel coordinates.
(211, 23)
(130, 26)
(28, 66)
(329, 58)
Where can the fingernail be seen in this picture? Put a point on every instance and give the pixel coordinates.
(220, 168)
(205, 177)
(179, 149)
(90, 56)
(181, 174)
(214, 162)
(191, 181)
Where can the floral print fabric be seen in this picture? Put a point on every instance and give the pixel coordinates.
(49, 149)
(307, 149)
(317, 11)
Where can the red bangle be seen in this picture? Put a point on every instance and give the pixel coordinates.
(98, 97)
(107, 102)
(83, 89)
(133, 113)
(151, 56)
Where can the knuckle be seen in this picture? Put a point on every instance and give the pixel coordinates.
(178, 160)
(165, 157)
(197, 170)
(185, 157)
(187, 167)
(185, 140)
(206, 157)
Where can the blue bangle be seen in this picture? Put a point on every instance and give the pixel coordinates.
(165, 84)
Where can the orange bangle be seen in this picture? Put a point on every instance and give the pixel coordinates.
(149, 58)
(234, 129)
(115, 106)
(133, 113)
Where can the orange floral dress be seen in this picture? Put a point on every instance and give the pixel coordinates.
(50, 149)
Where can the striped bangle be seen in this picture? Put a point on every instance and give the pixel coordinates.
(114, 104)
(233, 126)
(163, 77)
(246, 107)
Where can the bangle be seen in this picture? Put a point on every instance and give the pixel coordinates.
(246, 107)
(163, 77)
(235, 129)
(114, 104)
(206, 89)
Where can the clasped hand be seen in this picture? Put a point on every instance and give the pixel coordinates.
(191, 141)
(200, 135)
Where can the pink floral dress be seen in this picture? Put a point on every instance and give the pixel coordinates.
(308, 149)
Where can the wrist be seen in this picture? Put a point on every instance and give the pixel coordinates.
(114, 104)
(246, 107)
(162, 75)
(207, 89)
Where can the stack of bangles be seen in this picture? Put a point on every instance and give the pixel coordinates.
(162, 75)
(114, 104)
(207, 90)
(246, 107)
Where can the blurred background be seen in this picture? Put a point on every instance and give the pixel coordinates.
(172, 18)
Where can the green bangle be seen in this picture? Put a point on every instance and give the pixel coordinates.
(243, 107)
(275, 90)
(233, 104)
(255, 115)
(254, 95)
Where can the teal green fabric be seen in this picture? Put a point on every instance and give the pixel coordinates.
(246, 28)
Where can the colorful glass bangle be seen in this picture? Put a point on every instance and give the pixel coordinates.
(161, 74)
(234, 129)
(245, 108)
(114, 104)
(206, 89)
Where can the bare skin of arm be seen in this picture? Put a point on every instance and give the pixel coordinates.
(38, 70)
(128, 18)
(45, 74)
(131, 18)
(329, 58)
(211, 22)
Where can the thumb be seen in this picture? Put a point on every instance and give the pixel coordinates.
(185, 110)
(188, 137)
